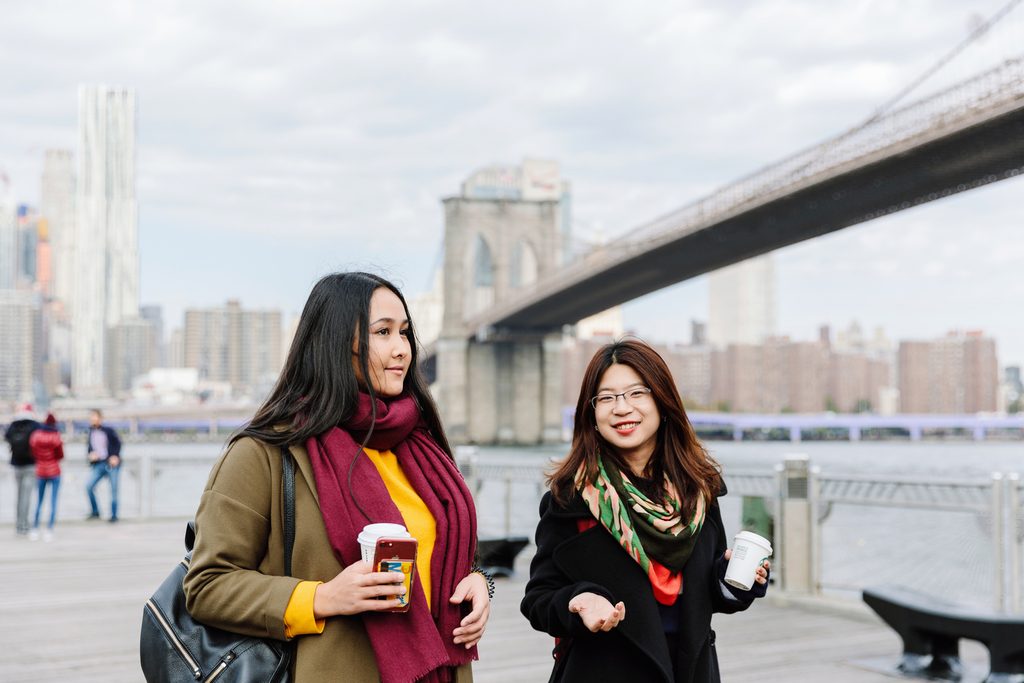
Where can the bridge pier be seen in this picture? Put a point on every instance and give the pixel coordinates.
(501, 392)
(453, 387)
(551, 415)
(854, 433)
(794, 434)
(501, 384)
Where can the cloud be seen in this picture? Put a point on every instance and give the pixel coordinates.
(320, 133)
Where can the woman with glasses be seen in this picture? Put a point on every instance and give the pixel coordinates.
(631, 551)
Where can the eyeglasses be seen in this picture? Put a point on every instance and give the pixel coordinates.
(634, 397)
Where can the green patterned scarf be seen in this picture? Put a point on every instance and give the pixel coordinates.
(644, 528)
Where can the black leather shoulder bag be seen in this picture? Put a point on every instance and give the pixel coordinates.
(175, 648)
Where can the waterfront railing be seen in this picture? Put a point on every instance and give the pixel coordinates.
(836, 533)
(832, 533)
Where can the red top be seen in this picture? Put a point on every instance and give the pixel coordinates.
(665, 583)
(48, 451)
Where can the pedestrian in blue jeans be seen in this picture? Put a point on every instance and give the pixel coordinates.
(104, 452)
(48, 450)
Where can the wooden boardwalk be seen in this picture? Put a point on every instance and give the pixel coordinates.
(70, 610)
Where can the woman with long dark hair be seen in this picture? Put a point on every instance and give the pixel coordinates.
(631, 551)
(354, 412)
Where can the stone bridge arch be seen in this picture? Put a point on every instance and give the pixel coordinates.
(498, 385)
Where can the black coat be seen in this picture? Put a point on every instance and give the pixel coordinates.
(17, 436)
(568, 563)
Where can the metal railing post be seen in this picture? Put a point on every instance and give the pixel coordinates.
(780, 496)
(814, 494)
(998, 540)
(508, 507)
(1016, 524)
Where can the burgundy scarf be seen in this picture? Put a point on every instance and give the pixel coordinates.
(416, 645)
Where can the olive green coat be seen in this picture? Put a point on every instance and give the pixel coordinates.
(236, 580)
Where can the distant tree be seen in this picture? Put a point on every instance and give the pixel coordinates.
(830, 405)
(1016, 406)
(786, 409)
(724, 407)
(863, 406)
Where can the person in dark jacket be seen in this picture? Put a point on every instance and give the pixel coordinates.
(48, 451)
(17, 436)
(631, 550)
(103, 448)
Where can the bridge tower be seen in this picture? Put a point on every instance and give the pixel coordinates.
(502, 233)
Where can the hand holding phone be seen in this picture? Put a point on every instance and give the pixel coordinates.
(358, 588)
(397, 555)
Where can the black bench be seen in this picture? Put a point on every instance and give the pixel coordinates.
(498, 555)
(931, 629)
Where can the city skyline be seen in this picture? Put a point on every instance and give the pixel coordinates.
(275, 173)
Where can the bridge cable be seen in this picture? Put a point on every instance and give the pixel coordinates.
(979, 30)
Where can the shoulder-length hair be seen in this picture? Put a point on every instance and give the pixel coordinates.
(678, 454)
(318, 388)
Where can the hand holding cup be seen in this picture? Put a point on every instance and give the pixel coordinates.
(748, 561)
(761, 574)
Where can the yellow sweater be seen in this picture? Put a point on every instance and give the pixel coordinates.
(298, 616)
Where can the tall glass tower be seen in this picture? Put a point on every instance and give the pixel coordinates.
(106, 230)
(742, 306)
(57, 206)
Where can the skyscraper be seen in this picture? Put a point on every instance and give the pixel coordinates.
(242, 347)
(742, 306)
(19, 320)
(57, 206)
(8, 243)
(106, 261)
(155, 315)
(28, 241)
(130, 353)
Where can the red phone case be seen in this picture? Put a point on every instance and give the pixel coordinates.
(401, 554)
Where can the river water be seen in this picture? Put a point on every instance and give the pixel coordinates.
(947, 553)
(941, 552)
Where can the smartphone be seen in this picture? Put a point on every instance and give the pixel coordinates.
(397, 555)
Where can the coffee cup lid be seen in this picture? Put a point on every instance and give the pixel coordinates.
(751, 537)
(371, 532)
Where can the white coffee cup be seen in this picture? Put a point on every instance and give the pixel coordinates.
(367, 538)
(748, 552)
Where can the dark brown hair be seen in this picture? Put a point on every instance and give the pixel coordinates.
(678, 454)
(318, 388)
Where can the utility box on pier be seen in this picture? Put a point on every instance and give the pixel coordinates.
(798, 493)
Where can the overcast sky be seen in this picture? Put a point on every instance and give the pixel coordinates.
(281, 140)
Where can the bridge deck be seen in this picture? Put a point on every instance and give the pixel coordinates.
(70, 609)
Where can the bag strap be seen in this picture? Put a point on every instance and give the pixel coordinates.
(288, 477)
(288, 484)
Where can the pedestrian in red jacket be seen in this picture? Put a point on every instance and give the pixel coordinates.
(48, 450)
